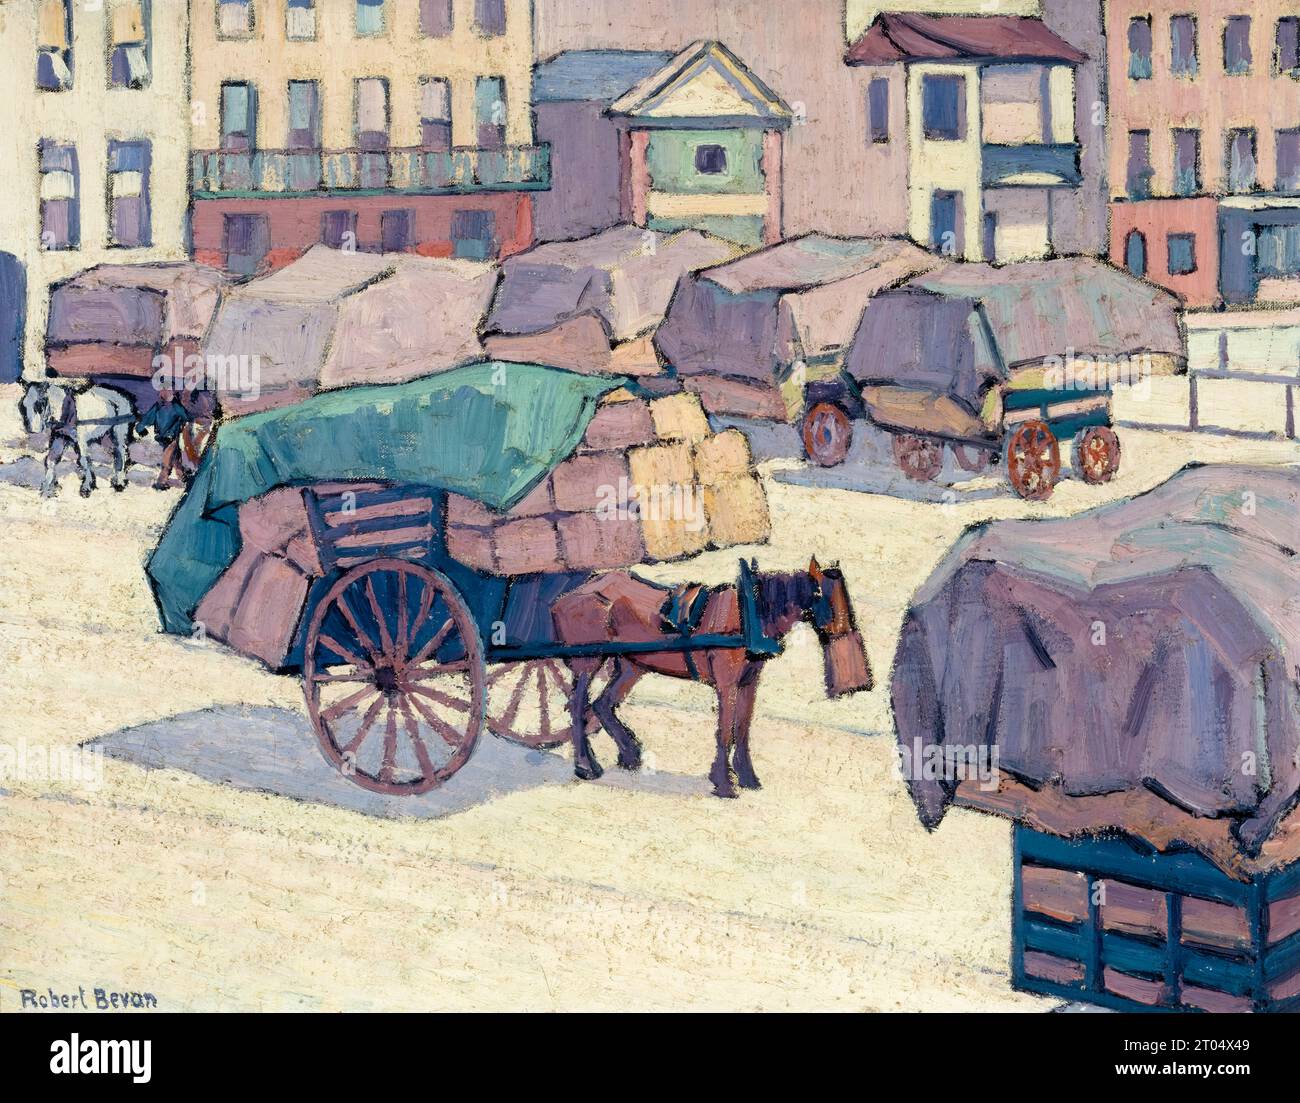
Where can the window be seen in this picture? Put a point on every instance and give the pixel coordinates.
(490, 112)
(1183, 60)
(1135, 254)
(304, 115)
(1139, 48)
(300, 21)
(128, 194)
(878, 110)
(397, 231)
(60, 196)
(710, 160)
(473, 234)
(128, 41)
(370, 17)
(490, 17)
(1288, 160)
(234, 18)
(990, 236)
(1182, 254)
(54, 46)
(435, 114)
(1286, 51)
(1236, 45)
(338, 229)
(1278, 250)
(1187, 162)
(435, 18)
(238, 117)
(943, 108)
(1241, 160)
(246, 240)
(371, 113)
(1139, 164)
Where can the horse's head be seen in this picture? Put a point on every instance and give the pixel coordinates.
(844, 653)
(35, 407)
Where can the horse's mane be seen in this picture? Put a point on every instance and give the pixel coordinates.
(783, 591)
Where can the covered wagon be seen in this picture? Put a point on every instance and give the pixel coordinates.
(408, 540)
(992, 361)
(746, 336)
(1129, 675)
(593, 305)
(335, 318)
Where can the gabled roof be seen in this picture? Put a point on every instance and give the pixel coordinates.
(897, 36)
(705, 80)
(594, 76)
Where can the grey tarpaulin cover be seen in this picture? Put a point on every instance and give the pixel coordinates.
(1192, 693)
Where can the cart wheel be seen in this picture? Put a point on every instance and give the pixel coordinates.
(528, 702)
(392, 648)
(1096, 454)
(970, 458)
(1034, 461)
(919, 458)
(827, 434)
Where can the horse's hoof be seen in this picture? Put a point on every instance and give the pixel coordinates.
(119, 487)
(590, 772)
(729, 793)
(86, 491)
(630, 763)
(750, 782)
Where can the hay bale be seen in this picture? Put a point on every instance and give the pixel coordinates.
(661, 465)
(527, 546)
(268, 523)
(593, 542)
(466, 511)
(619, 424)
(267, 618)
(471, 546)
(679, 417)
(536, 503)
(668, 534)
(722, 456)
(583, 482)
(737, 512)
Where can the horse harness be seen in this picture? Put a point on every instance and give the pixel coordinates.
(66, 422)
(681, 613)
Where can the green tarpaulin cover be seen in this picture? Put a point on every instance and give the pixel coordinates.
(490, 431)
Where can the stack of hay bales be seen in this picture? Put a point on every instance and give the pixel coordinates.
(648, 482)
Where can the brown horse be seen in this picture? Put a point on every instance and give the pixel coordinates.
(618, 608)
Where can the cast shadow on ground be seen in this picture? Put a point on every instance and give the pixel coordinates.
(273, 750)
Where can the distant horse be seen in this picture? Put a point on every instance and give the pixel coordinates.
(77, 417)
(618, 607)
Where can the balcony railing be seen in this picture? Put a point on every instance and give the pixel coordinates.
(415, 171)
(1005, 166)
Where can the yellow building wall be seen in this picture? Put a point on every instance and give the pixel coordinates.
(945, 165)
(88, 115)
(338, 56)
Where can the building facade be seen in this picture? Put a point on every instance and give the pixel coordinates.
(977, 115)
(1204, 125)
(94, 124)
(394, 125)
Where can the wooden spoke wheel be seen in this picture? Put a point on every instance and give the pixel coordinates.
(827, 434)
(394, 677)
(972, 459)
(917, 457)
(528, 702)
(1034, 461)
(1096, 454)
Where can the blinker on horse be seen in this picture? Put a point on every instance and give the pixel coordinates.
(620, 608)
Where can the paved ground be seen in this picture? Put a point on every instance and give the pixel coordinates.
(219, 865)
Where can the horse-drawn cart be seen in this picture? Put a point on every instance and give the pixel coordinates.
(991, 362)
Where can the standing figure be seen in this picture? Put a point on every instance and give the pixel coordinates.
(166, 417)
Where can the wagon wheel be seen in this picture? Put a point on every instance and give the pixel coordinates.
(394, 678)
(528, 702)
(971, 458)
(1034, 461)
(919, 458)
(195, 437)
(1096, 454)
(827, 434)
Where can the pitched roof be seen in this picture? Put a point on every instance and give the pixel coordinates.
(897, 36)
(594, 76)
(724, 86)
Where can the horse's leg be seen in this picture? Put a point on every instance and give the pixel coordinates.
(626, 675)
(746, 693)
(83, 463)
(120, 445)
(584, 762)
(49, 487)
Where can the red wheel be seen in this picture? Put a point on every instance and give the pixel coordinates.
(1034, 461)
(1096, 454)
(919, 458)
(827, 434)
(971, 458)
(528, 702)
(392, 649)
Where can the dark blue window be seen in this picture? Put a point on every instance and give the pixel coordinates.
(710, 160)
(878, 109)
(1182, 254)
(943, 108)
